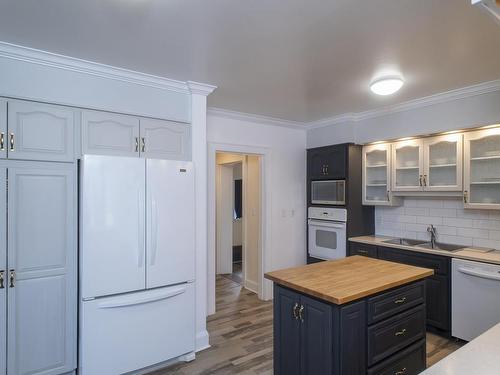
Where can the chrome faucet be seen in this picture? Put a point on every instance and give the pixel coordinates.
(432, 230)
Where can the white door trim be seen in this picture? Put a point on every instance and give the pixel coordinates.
(224, 244)
(265, 288)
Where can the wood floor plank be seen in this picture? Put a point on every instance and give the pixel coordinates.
(241, 337)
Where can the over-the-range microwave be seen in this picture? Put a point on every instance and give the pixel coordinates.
(328, 192)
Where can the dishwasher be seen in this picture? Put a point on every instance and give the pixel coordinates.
(475, 298)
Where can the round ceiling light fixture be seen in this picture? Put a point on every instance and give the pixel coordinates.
(386, 85)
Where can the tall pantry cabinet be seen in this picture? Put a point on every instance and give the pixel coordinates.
(37, 239)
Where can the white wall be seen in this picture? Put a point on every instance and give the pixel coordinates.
(454, 224)
(285, 174)
(457, 114)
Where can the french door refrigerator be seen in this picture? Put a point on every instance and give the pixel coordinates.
(137, 263)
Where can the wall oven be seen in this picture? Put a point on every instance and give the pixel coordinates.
(327, 232)
(328, 192)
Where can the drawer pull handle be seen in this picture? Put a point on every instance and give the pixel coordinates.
(301, 313)
(363, 251)
(401, 300)
(296, 311)
(400, 333)
(401, 372)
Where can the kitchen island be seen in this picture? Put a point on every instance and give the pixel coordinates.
(355, 315)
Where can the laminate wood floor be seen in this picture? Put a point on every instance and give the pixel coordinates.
(241, 337)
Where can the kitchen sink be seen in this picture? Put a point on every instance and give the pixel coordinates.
(405, 242)
(441, 246)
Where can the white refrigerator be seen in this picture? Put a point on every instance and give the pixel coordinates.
(137, 263)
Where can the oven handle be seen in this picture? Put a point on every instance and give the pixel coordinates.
(323, 223)
(483, 275)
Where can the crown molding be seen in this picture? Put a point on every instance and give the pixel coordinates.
(200, 88)
(264, 120)
(38, 57)
(444, 97)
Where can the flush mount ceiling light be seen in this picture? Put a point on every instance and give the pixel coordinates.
(386, 85)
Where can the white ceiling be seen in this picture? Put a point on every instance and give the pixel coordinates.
(301, 60)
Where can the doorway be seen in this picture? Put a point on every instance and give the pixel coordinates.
(239, 219)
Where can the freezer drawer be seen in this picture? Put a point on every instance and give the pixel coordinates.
(475, 299)
(135, 330)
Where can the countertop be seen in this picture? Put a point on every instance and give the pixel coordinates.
(468, 253)
(480, 356)
(348, 279)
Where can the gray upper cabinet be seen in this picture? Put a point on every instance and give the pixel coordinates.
(3, 130)
(165, 140)
(40, 132)
(3, 271)
(41, 326)
(106, 133)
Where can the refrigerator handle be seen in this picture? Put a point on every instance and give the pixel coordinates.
(140, 245)
(154, 234)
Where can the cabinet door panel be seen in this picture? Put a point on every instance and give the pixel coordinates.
(40, 132)
(316, 164)
(482, 169)
(356, 248)
(316, 337)
(3, 129)
(3, 268)
(106, 133)
(112, 226)
(438, 302)
(443, 163)
(42, 251)
(286, 332)
(377, 175)
(165, 140)
(170, 252)
(407, 166)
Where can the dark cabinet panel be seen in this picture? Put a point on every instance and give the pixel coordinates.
(356, 248)
(391, 335)
(316, 337)
(438, 302)
(328, 162)
(440, 264)
(286, 332)
(396, 301)
(353, 339)
(410, 361)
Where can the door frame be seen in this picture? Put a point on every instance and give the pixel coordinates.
(265, 288)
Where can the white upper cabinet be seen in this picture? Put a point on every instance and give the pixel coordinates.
(377, 176)
(3, 131)
(443, 163)
(407, 165)
(39, 132)
(106, 133)
(482, 169)
(165, 140)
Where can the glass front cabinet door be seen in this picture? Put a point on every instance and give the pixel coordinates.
(443, 163)
(407, 171)
(482, 169)
(377, 176)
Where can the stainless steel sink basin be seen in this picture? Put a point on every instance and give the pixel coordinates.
(441, 246)
(405, 242)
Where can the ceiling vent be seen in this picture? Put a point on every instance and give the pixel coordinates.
(492, 6)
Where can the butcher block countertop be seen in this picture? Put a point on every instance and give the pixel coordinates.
(348, 279)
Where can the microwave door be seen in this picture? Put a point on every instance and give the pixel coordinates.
(328, 192)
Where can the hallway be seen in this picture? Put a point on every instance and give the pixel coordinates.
(241, 337)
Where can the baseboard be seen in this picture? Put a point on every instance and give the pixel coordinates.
(202, 341)
(252, 286)
(188, 357)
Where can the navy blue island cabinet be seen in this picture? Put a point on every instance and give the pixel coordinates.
(382, 333)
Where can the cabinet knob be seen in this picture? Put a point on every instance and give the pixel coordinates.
(12, 278)
(301, 313)
(1, 279)
(425, 180)
(420, 180)
(11, 138)
(400, 333)
(136, 144)
(296, 311)
(465, 196)
(143, 142)
(2, 141)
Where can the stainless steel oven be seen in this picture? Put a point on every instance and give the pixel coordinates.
(327, 230)
(328, 192)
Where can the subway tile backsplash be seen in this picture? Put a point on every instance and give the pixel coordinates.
(454, 224)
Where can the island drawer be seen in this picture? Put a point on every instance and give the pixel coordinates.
(410, 361)
(393, 302)
(389, 336)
